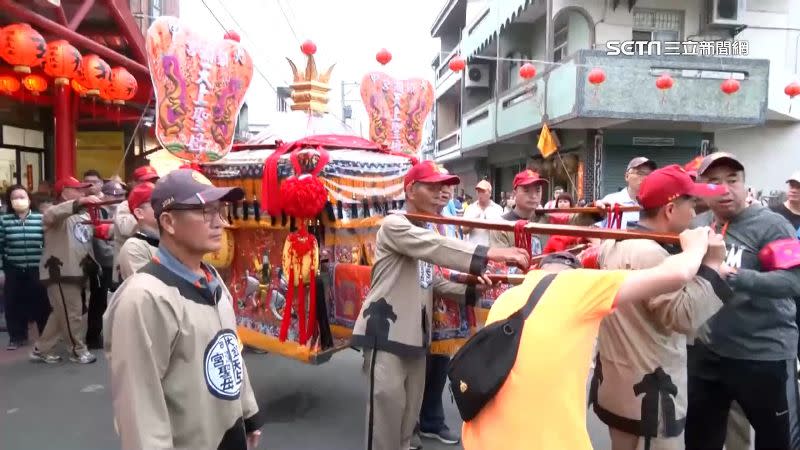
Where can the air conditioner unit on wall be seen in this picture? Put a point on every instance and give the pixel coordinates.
(725, 13)
(477, 76)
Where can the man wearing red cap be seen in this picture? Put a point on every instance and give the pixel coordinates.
(641, 360)
(394, 324)
(125, 222)
(527, 197)
(140, 248)
(67, 249)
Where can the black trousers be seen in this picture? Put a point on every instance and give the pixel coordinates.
(26, 301)
(766, 390)
(431, 416)
(99, 285)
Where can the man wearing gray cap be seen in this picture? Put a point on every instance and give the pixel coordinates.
(746, 352)
(638, 169)
(174, 353)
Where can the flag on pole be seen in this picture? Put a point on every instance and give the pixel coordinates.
(548, 142)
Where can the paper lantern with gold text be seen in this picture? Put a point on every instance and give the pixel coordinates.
(35, 83)
(96, 74)
(9, 84)
(62, 61)
(22, 47)
(123, 85)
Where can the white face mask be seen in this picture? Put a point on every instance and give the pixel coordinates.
(20, 204)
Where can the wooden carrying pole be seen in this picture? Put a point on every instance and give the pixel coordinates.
(586, 210)
(562, 230)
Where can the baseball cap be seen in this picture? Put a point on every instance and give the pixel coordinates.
(187, 187)
(113, 189)
(145, 173)
(719, 157)
(794, 177)
(484, 185)
(140, 194)
(429, 172)
(527, 177)
(564, 258)
(640, 161)
(668, 183)
(70, 182)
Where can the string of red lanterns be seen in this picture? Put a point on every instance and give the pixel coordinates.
(25, 49)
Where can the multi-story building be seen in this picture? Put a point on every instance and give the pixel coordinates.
(488, 118)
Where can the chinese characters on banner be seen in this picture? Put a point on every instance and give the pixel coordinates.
(397, 110)
(199, 85)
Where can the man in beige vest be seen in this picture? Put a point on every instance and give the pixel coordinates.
(394, 324)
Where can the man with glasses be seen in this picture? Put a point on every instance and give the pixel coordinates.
(638, 169)
(747, 351)
(175, 357)
(140, 248)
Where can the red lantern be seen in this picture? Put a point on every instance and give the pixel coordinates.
(527, 71)
(123, 85)
(79, 88)
(664, 81)
(9, 84)
(22, 47)
(106, 95)
(308, 48)
(597, 76)
(62, 61)
(233, 36)
(35, 83)
(96, 74)
(457, 64)
(729, 86)
(792, 89)
(383, 56)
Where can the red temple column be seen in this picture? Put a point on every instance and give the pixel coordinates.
(64, 126)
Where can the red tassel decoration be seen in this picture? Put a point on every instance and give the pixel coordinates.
(522, 238)
(312, 305)
(287, 308)
(301, 312)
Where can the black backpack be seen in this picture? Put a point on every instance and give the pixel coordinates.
(479, 368)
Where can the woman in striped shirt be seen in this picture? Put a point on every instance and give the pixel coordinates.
(21, 242)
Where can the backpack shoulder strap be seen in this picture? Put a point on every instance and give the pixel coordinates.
(537, 293)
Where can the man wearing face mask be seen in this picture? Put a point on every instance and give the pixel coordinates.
(747, 351)
(140, 248)
(67, 249)
(178, 378)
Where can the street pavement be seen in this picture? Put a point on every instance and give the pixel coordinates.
(68, 407)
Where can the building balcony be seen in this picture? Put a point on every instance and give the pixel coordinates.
(446, 78)
(448, 147)
(520, 108)
(478, 126)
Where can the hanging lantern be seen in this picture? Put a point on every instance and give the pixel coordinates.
(383, 56)
(123, 85)
(233, 36)
(106, 95)
(729, 86)
(96, 74)
(597, 76)
(35, 83)
(664, 82)
(527, 71)
(792, 90)
(79, 88)
(457, 64)
(62, 61)
(9, 84)
(22, 47)
(308, 48)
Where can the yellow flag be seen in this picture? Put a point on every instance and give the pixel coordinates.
(548, 143)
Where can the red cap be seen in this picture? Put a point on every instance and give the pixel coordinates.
(667, 184)
(70, 182)
(145, 173)
(527, 177)
(429, 172)
(140, 194)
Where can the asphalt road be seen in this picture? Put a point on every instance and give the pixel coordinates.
(68, 406)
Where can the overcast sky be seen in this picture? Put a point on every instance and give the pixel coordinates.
(347, 32)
